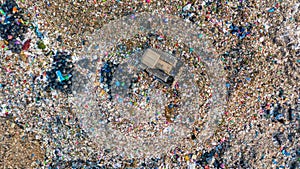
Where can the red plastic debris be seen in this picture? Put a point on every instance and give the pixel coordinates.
(26, 45)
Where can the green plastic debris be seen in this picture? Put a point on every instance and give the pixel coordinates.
(41, 45)
(2, 12)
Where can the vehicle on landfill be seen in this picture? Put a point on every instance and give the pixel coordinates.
(161, 65)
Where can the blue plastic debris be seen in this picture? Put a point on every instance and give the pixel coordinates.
(59, 76)
(274, 161)
(6, 21)
(38, 33)
(227, 85)
(284, 152)
(271, 9)
(279, 116)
